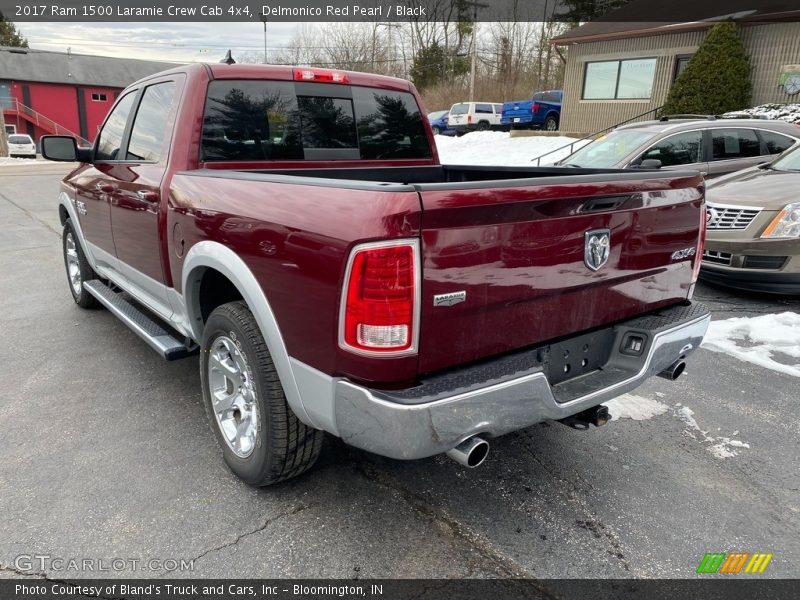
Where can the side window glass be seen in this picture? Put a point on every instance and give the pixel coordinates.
(734, 143)
(679, 149)
(110, 137)
(776, 143)
(150, 123)
(483, 108)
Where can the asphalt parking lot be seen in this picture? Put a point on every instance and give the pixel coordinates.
(105, 453)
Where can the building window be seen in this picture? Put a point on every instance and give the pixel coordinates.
(680, 64)
(619, 79)
(99, 97)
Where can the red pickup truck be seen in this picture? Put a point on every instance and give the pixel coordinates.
(294, 227)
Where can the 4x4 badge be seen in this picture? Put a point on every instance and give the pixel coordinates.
(597, 247)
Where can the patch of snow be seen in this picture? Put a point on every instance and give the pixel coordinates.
(783, 112)
(21, 162)
(720, 447)
(499, 148)
(638, 408)
(758, 339)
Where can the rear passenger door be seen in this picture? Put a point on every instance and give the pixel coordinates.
(732, 149)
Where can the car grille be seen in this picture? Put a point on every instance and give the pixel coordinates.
(719, 216)
(764, 262)
(718, 258)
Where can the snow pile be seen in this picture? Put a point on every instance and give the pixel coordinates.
(638, 408)
(783, 112)
(721, 447)
(759, 340)
(499, 148)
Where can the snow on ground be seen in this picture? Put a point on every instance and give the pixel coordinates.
(784, 112)
(771, 341)
(499, 148)
(6, 161)
(721, 447)
(638, 408)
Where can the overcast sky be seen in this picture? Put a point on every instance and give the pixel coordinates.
(182, 42)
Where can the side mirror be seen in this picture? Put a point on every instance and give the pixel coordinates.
(64, 148)
(648, 163)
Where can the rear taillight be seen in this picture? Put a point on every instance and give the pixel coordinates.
(323, 75)
(535, 107)
(469, 118)
(380, 299)
(701, 243)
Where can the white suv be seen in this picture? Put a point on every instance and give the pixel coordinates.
(20, 144)
(474, 116)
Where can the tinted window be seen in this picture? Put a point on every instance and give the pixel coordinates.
(538, 96)
(269, 120)
(389, 125)
(19, 139)
(150, 123)
(552, 97)
(734, 143)
(679, 149)
(776, 143)
(110, 138)
(483, 108)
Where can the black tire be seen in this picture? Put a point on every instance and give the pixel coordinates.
(284, 446)
(436, 130)
(483, 126)
(85, 272)
(551, 124)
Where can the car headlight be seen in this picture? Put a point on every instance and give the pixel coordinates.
(786, 224)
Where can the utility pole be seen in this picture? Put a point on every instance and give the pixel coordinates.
(263, 17)
(474, 62)
(3, 136)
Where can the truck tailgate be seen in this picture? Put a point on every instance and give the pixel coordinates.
(505, 264)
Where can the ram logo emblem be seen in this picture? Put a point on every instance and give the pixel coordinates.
(597, 247)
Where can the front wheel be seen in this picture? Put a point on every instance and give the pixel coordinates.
(262, 440)
(78, 268)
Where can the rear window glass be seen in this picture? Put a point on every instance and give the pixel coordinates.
(776, 143)
(459, 109)
(734, 143)
(277, 120)
(19, 139)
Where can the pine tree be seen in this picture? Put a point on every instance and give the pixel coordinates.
(9, 36)
(717, 78)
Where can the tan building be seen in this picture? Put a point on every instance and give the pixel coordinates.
(618, 70)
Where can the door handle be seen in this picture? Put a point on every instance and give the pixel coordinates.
(106, 188)
(147, 196)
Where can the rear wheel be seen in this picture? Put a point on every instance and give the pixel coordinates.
(483, 126)
(78, 268)
(551, 124)
(262, 440)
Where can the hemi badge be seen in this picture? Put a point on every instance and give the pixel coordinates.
(449, 299)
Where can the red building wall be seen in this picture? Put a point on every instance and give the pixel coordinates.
(72, 107)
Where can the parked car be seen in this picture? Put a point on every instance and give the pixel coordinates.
(292, 255)
(712, 146)
(753, 224)
(438, 122)
(542, 111)
(474, 116)
(21, 145)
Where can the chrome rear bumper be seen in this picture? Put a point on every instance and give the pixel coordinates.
(375, 421)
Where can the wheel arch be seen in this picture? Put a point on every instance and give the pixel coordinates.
(212, 256)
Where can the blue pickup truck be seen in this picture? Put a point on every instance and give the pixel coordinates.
(542, 111)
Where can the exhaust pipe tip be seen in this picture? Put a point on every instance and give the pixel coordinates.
(673, 371)
(470, 453)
